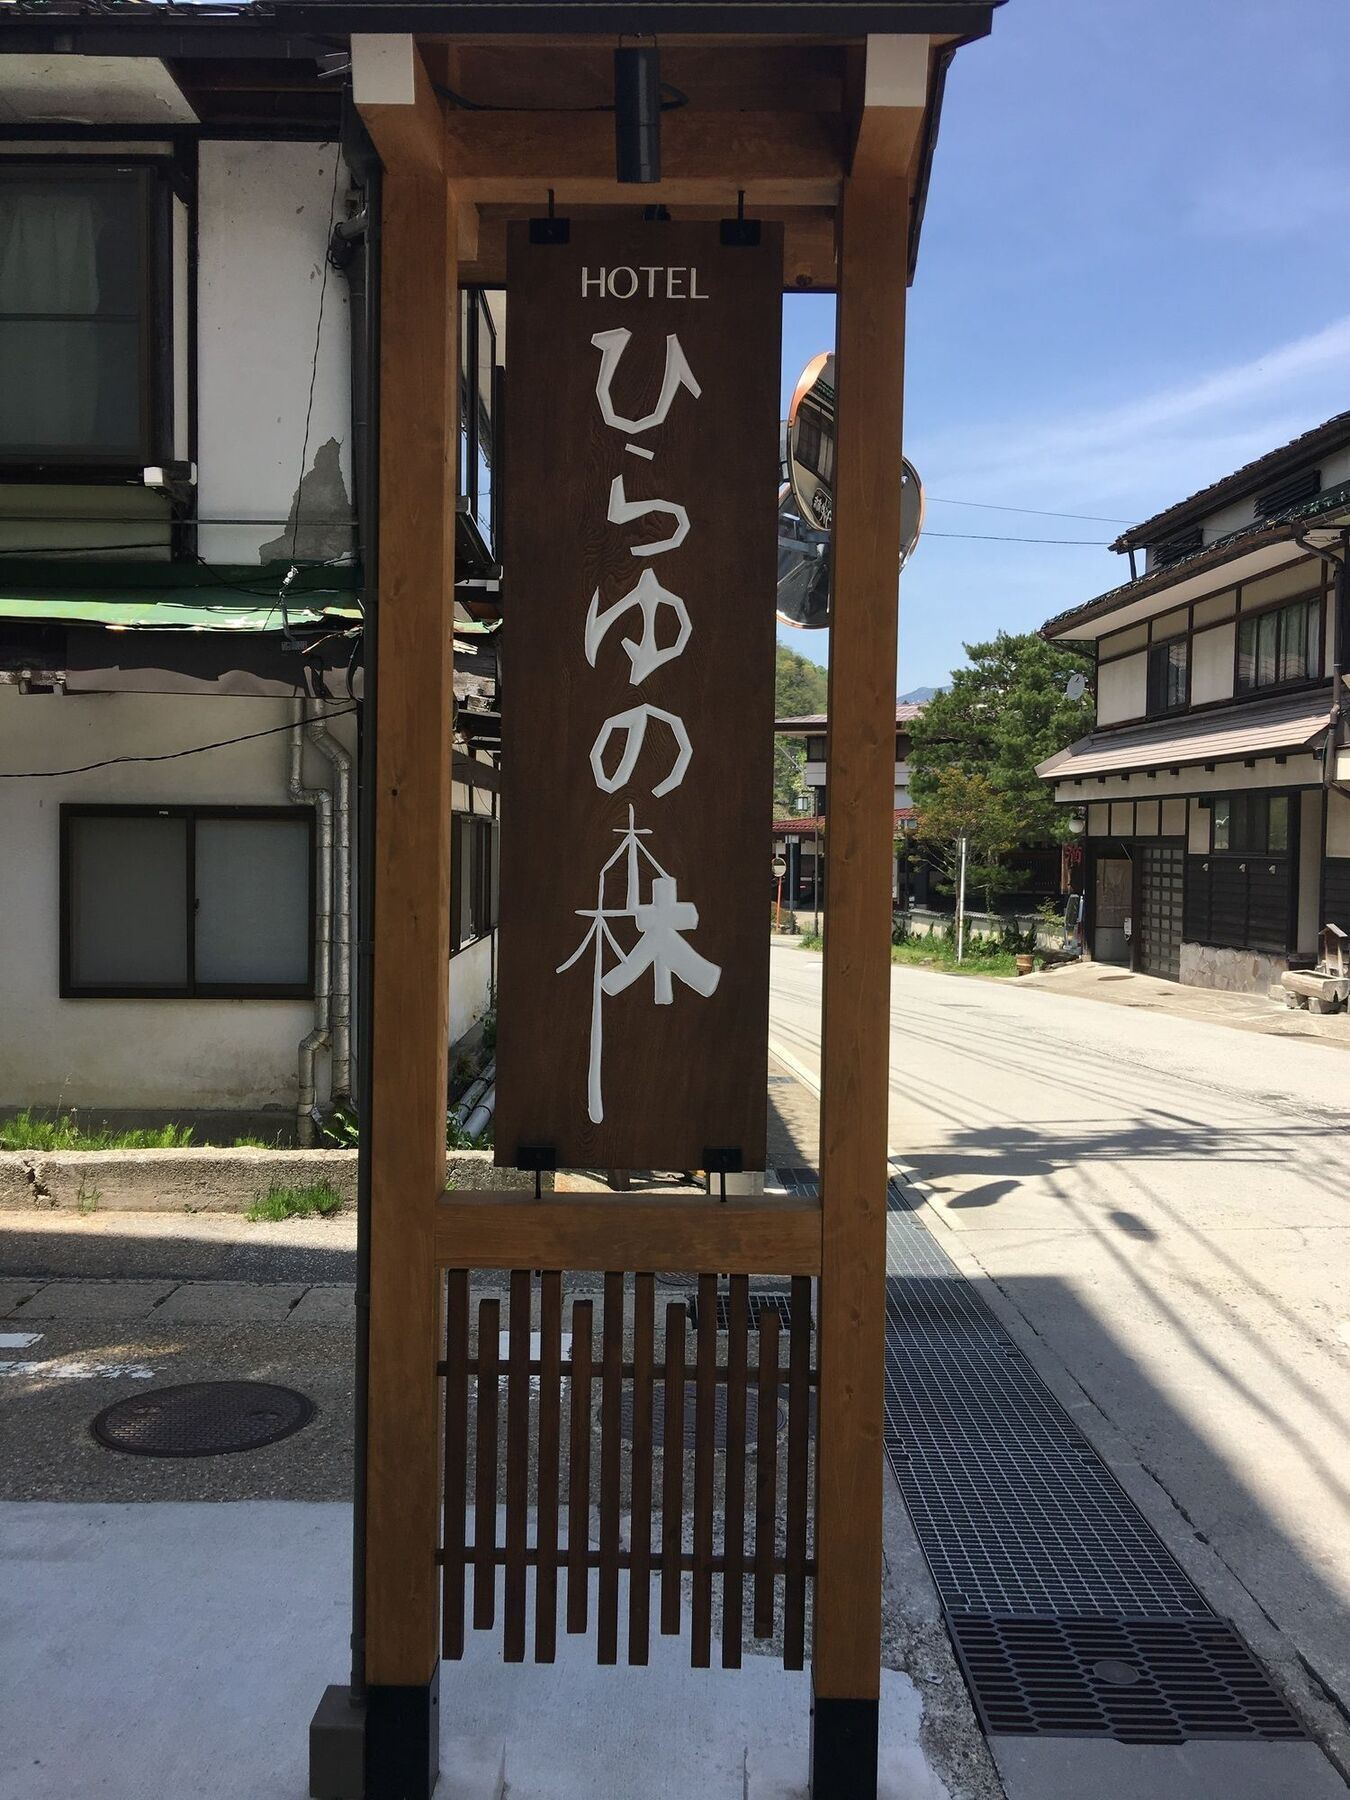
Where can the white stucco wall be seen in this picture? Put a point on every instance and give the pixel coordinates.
(130, 1053)
(1296, 771)
(1212, 664)
(262, 247)
(1122, 689)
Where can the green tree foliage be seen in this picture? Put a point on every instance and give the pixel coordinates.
(1004, 713)
(799, 691)
(974, 753)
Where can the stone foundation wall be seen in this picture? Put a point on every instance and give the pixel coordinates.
(1231, 971)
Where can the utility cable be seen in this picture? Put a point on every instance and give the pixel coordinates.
(109, 762)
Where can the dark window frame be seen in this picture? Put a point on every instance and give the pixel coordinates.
(475, 317)
(154, 179)
(1159, 655)
(192, 989)
(483, 909)
(1314, 596)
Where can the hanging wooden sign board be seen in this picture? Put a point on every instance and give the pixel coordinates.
(637, 728)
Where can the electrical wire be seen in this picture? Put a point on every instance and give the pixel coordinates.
(993, 537)
(1038, 512)
(160, 756)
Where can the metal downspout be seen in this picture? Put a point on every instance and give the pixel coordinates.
(341, 1024)
(1340, 605)
(315, 1040)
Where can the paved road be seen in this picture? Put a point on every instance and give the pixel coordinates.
(1166, 1203)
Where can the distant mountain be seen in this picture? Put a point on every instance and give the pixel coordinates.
(916, 695)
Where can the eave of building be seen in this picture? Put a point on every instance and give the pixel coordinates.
(1332, 435)
(1244, 731)
(1240, 556)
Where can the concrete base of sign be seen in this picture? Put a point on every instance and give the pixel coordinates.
(190, 1642)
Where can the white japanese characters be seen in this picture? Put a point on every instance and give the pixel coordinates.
(662, 920)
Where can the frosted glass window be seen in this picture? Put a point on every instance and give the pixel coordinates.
(181, 902)
(74, 263)
(127, 902)
(252, 902)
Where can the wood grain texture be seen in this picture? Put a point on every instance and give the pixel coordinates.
(705, 1443)
(550, 1423)
(855, 1059)
(486, 1229)
(611, 1392)
(677, 1076)
(798, 1471)
(517, 1465)
(411, 902)
(738, 1326)
(456, 1462)
(640, 1488)
(783, 158)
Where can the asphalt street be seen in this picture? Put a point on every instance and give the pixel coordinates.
(1162, 1204)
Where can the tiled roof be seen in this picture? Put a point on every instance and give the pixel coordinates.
(1332, 434)
(905, 713)
(1212, 555)
(1251, 728)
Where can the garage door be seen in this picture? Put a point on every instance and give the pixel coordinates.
(1161, 881)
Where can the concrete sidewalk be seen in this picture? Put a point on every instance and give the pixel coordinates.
(162, 1652)
(1241, 1012)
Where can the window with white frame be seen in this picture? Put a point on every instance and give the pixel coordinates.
(178, 902)
(85, 339)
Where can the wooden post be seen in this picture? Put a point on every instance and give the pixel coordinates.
(418, 400)
(860, 780)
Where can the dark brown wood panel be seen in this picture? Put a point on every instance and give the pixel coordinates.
(766, 1474)
(672, 1471)
(485, 1467)
(667, 1057)
(550, 1418)
(640, 1491)
(579, 1470)
(456, 1461)
(517, 1464)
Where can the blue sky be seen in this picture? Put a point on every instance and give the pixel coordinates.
(1134, 276)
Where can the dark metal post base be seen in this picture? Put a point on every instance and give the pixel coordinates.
(844, 1749)
(337, 1747)
(403, 1740)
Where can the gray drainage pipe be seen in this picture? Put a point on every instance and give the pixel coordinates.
(472, 1094)
(315, 1040)
(477, 1122)
(328, 746)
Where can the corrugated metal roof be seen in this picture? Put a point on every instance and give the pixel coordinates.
(1251, 729)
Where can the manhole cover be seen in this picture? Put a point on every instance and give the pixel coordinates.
(204, 1418)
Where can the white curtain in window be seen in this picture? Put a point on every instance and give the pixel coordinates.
(49, 390)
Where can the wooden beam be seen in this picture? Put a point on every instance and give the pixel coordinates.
(808, 241)
(418, 399)
(860, 775)
(397, 103)
(494, 1229)
(777, 158)
(892, 75)
(763, 77)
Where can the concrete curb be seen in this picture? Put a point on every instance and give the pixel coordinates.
(199, 1180)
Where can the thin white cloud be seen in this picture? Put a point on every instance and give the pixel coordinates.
(1149, 451)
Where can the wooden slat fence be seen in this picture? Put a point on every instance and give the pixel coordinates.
(730, 1427)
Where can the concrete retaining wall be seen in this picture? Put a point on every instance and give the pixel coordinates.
(200, 1180)
(1230, 971)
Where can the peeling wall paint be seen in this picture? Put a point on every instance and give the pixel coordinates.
(262, 252)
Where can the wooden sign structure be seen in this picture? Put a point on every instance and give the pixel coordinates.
(829, 136)
(632, 996)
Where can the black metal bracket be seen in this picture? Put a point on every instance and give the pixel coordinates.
(741, 233)
(537, 1157)
(723, 1160)
(551, 230)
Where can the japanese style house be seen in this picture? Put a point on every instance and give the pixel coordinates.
(1215, 789)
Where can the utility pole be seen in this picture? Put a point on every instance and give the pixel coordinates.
(961, 901)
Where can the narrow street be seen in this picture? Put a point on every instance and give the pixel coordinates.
(1165, 1204)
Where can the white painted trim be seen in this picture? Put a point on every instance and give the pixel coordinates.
(897, 70)
(384, 66)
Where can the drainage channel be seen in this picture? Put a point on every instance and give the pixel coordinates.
(1068, 1615)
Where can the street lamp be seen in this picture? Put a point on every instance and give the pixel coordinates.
(1078, 821)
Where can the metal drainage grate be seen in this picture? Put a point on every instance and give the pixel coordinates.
(204, 1418)
(719, 1418)
(759, 1303)
(1142, 1681)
